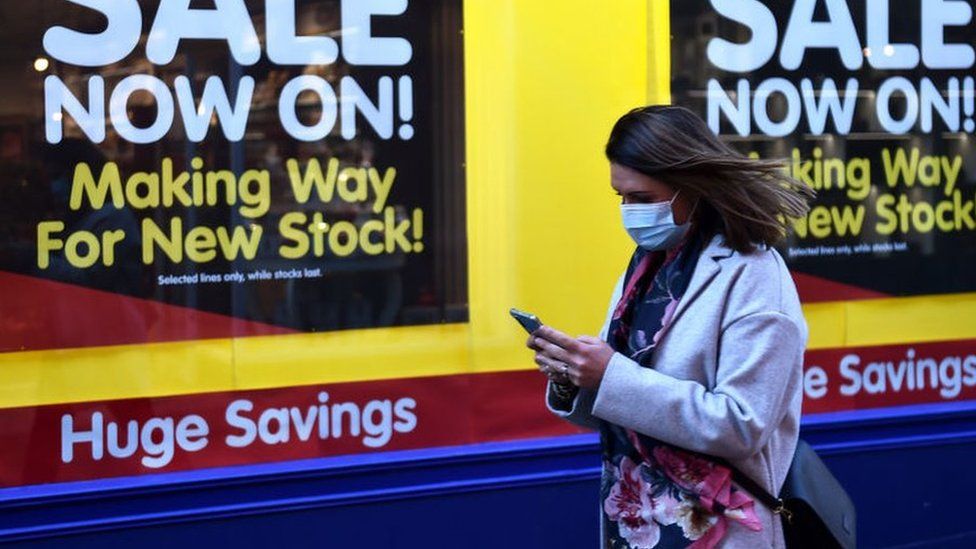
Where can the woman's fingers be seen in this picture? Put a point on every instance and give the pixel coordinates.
(555, 370)
(561, 356)
(555, 351)
(534, 342)
(589, 340)
(548, 365)
(556, 337)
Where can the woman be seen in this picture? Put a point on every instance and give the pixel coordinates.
(701, 353)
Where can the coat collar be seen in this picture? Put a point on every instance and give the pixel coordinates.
(717, 248)
(708, 266)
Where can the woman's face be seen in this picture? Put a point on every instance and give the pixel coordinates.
(636, 188)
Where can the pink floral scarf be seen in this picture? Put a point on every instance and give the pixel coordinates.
(655, 494)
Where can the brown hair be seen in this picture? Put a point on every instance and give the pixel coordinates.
(748, 201)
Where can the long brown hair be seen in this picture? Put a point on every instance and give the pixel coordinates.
(748, 201)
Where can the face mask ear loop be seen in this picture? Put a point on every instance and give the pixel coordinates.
(691, 214)
(675, 197)
(693, 207)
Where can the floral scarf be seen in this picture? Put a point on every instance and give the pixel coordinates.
(655, 494)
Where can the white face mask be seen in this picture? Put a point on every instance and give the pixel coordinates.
(652, 225)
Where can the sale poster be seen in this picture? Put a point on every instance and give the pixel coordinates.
(871, 104)
(239, 169)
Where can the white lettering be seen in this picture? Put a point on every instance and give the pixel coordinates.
(802, 33)
(118, 108)
(109, 46)
(886, 55)
(848, 370)
(288, 101)
(246, 425)
(815, 382)
(359, 46)
(175, 21)
(196, 118)
(936, 16)
(285, 47)
(58, 98)
(406, 419)
(761, 46)
(736, 109)
(69, 437)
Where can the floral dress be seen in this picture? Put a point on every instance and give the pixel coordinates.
(654, 494)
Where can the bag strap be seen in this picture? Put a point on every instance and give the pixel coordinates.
(775, 504)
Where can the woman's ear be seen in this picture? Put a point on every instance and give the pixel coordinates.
(684, 207)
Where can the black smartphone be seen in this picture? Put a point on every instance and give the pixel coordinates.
(528, 321)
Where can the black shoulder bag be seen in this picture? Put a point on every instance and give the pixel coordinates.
(816, 511)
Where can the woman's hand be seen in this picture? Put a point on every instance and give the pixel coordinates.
(580, 361)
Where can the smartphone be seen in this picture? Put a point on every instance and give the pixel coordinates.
(528, 321)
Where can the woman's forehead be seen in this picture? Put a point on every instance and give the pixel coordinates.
(625, 179)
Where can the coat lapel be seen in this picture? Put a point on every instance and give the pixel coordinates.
(707, 268)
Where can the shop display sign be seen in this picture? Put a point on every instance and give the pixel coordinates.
(178, 177)
(871, 104)
(249, 167)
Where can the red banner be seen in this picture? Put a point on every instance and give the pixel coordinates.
(889, 375)
(136, 436)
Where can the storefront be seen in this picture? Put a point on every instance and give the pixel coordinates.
(257, 257)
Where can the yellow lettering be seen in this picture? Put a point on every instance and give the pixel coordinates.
(301, 184)
(890, 220)
(900, 168)
(150, 196)
(239, 241)
(347, 232)
(174, 189)
(109, 240)
(230, 187)
(820, 222)
(153, 234)
(288, 231)
(941, 219)
(800, 226)
(368, 228)
(928, 171)
(847, 219)
(858, 178)
(84, 181)
(200, 243)
(381, 186)
(358, 192)
(75, 257)
(259, 200)
(923, 218)
(46, 244)
(951, 171)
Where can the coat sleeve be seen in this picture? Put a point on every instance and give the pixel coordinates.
(759, 365)
(580, 410)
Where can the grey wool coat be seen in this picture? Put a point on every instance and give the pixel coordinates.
(726, 377)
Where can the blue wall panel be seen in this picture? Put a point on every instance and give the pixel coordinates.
(526, 516)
